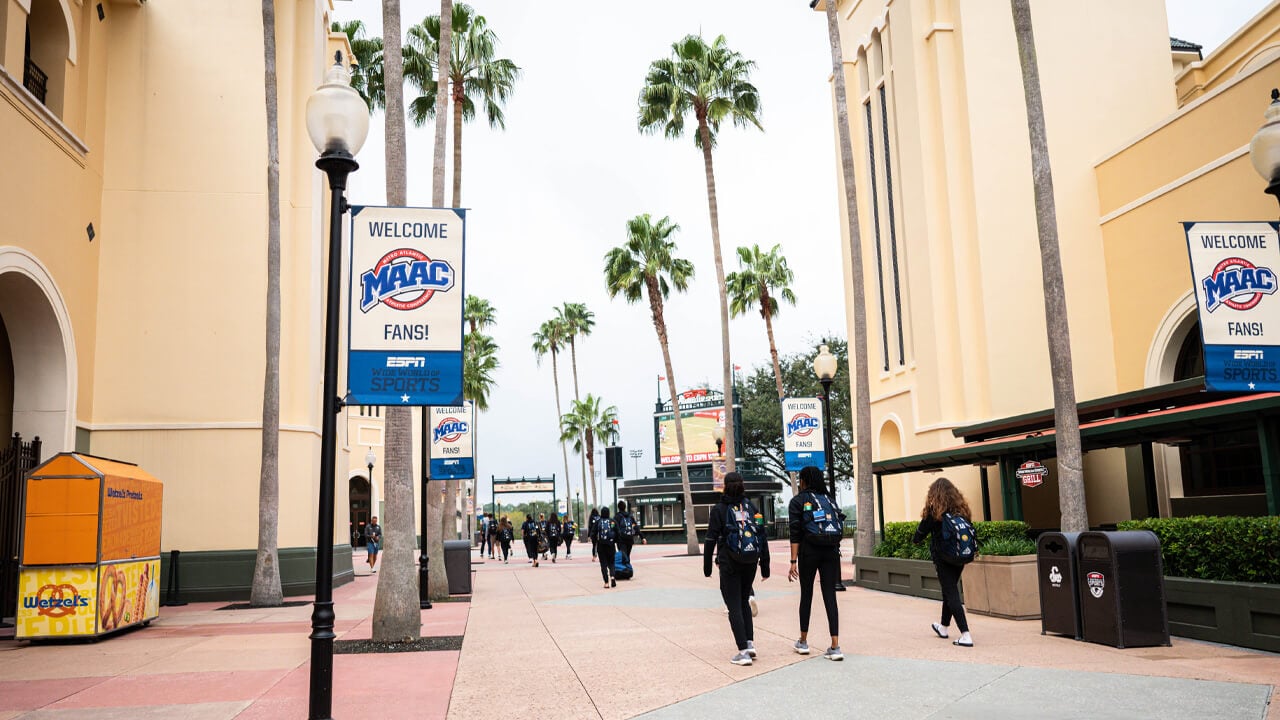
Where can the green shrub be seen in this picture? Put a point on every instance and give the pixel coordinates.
(990, 530)
(1239, 549)
(1008, 546)
(897, 539)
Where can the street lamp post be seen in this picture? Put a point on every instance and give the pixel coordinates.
(370, 459)
(338, 123)
(1264, 149)
(824, 366)
(636, 455)
(424, 575)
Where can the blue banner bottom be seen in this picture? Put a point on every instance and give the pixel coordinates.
(453, 469)
(1242, 368)
(378, 377)
(799, 460)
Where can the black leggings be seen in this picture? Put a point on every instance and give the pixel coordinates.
(735, 589)
(506, 549)
(605, 551)
(949, 577)
(625, 545)
(824, 562)
(531, 547)
(568, 544)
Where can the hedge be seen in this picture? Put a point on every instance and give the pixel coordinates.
(1238, 549)
(897, 538)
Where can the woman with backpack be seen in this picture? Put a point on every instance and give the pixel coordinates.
(553, 535)
(946, 514)
(740, 545)
(628, 530)
(567, 529)
(817, 527)
(505, 536)
(591, 530)
(604, 534)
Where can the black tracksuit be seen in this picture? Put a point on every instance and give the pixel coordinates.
(735, 577)
(504, 537)
(567, 530)
(626, 543)
(529, 530)
(813, 559)
(948, 574)
(605, 549)
(553, 537)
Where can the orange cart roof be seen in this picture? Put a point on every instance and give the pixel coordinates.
(76, 465)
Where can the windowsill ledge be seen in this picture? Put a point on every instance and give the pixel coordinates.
(42, 117)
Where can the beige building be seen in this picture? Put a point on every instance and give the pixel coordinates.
(1137, 125)
(132, 260)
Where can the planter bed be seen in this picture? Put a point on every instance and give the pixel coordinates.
(896, 575)
(1002, 586)
(1244, 614)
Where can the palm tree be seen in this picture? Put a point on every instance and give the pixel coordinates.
(396, 617)
(763, 278)
(266, 589)
(858, 351)
(646, 266)
(1066, 421)
(366, 70)
(586, 421)
(579, 320)
(479, 362)
(712, 82)
(475, 75)
(550, 338)
(479, 314)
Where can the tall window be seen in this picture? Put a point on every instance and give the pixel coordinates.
(893, 230)
(875, 223)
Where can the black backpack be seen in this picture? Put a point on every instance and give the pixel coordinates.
(959, 540)
(823, 521)
(626, 525)
(741, 539)
(604, 530)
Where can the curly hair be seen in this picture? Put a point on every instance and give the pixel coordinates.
(944, 497)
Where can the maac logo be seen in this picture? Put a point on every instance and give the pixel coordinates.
(449, 430)
(1097, 583)
(802, 425)
(404, 279)
(1238, 284)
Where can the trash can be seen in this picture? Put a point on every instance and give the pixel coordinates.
(1121, 581)
(1059, 597)
(457, 562)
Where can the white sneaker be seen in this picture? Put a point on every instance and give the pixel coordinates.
(833, 654)
(751, 648)
(939, 630)
(742, 658)
(802, 647)
(755, 609)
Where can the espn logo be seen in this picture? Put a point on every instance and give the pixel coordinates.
(410, 362)
(1248, 355)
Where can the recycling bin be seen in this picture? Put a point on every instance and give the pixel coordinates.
(457, 561)
(1121, 581)
(1058, 582)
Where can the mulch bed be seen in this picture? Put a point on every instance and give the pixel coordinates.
(426, 644)
(247, 606)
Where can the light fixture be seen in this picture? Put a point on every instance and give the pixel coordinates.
(824, 364)
(370, 459)
(337, 118)
(1264, 149)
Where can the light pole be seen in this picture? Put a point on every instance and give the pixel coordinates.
(577, 510)
(1264, 149)
(424, 595)
(636, 455)
(338, 123)
(370, 459)
(824, 366)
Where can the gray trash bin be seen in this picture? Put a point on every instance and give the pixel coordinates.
(1121, 578)
(1058, 582)
(457, 561)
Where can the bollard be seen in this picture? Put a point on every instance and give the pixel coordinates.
(173, 587)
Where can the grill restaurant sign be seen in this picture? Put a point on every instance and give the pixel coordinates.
(452, 442)
(1234, 269)
(405, 299)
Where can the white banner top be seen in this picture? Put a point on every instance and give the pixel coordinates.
(452, 442)
(802, 438)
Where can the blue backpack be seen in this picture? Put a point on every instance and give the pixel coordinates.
(626, 525)
(823, 521)
(742, 538)
(604, 530)
(959, 540)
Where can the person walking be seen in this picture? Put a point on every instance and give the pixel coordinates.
(505, 535)
(604, 534)
(628, 528)
(945, 521)
(373, 542)
(484, 532)
(529, 532)
(591, 530)
(553, 535)
(495, 528)
(740, 545)
(816, 526)
(543, 542)
(567, 530)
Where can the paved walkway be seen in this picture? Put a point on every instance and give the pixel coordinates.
(550, 642)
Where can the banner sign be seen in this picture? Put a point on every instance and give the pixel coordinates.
(1233, 269)
(452, 442)
(405, 306)
(519, 486)
(802, 434)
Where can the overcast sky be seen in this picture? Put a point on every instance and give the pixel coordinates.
(551, 194)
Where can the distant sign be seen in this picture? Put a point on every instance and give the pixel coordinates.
(524, 486)
(1031, 473)
(452, 442)
(405, 298)
(802, 434)
(1233, 269)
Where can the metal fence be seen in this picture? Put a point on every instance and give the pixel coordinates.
(15, 461)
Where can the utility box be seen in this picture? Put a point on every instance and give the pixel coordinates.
(90, 553)
(1121, 585)
(1058, 583)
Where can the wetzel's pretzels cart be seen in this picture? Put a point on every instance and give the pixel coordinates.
(90, 552)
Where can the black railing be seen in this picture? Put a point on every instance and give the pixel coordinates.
(35, 80)
(15, 461)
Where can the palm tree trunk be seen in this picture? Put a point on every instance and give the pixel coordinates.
(858, 351)
(564, 452)
(729, 451)
(660, 325)
(266, 571)
(777, 368)
(395, 610)
(1066, 422)
(573, 355)
(458, 98)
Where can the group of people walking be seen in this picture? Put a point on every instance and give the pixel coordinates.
(611, 539)
(737, 544)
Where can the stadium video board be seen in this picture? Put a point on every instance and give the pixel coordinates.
(701, 410)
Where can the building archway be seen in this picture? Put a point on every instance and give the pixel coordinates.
(889, 441)
(38, 371)
(361, 508)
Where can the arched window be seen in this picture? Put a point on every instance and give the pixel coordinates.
(46, 52)
(1190, 362)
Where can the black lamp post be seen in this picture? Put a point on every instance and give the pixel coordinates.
(370, 459)
(424, 574)
(338, 122)
(1264, 149)
(824, 366)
